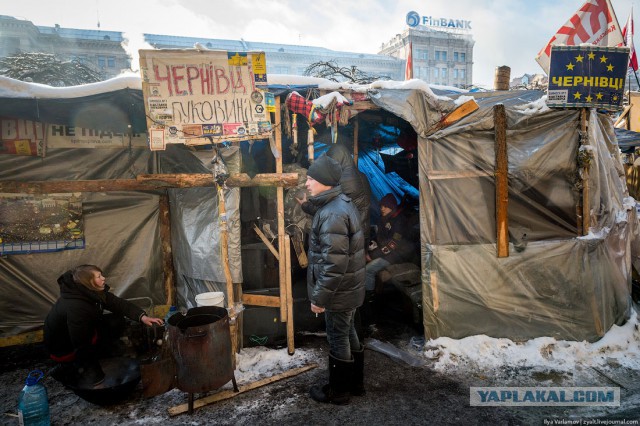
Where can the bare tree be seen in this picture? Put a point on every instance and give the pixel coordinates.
(45, 68)
(334, 72)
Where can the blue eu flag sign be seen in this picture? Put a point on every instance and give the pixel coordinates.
(587, 76)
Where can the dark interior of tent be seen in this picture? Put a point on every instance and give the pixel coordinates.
(387, 155)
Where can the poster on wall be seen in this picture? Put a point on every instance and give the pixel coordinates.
(61, 136)
(40, 223)
(199, 97)
(21, 137)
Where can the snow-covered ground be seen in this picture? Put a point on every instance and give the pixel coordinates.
(620, 345)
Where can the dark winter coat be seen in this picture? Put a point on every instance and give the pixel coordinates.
(335, 275)
(355, 185)
(393, 239)
(71, 325)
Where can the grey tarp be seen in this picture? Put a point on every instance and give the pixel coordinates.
(554, 283)
(121, 231)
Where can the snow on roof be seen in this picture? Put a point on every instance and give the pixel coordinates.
(10, 88)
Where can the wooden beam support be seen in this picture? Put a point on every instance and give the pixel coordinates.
(586, 211)
(356, 136)
(261, 300)
(148, 183)
(502, 181)
(289, 296)
(266, 242)
(226, 394)
(282, 266)
(167, 257)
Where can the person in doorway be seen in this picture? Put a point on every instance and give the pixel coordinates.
(391, 244)
(335, 279)
(76, 327)
(354, 184)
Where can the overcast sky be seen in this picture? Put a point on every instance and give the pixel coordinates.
(506, 32)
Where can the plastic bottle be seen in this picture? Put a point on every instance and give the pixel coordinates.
(172, 311)
(33, 404)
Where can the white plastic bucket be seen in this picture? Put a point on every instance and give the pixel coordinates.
(213, 298)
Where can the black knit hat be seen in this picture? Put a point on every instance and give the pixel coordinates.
(325, 170)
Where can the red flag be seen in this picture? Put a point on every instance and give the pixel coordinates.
(408, 71)
(627, 34)
(586, 26)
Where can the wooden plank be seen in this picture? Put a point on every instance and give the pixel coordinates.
(148, 183)
(435, 297)
(226, 394)
(454, 174)
(266, 241)
(167, 256)
(280, 213)
(289, 296)
(459, 113)
(22, 339)
(261, 300)
(502, 182)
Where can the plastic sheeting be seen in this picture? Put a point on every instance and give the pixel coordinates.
(554, 282)
(121, 231)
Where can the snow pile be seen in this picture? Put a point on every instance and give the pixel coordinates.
(621, 345)
(535, 107)
(259, 362)
(325, 101)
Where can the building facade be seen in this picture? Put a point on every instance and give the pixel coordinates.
(290, 59)
(101, 51)
(439, 56)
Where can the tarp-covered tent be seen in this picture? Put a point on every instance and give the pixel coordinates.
(554, 282)
(121, 228)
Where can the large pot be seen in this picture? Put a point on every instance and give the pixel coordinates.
(200, 342)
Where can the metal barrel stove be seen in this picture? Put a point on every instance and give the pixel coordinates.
(201, 345)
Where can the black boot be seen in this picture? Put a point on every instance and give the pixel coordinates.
(357, 379)
(337, 390)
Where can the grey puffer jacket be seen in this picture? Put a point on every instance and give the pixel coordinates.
(335, 275)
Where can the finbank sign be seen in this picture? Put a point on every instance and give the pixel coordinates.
(414, 19)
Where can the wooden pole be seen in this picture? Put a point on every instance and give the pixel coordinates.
(282, 267)
(167, 257)
(310, 142)
(586, 211)
(356, 131)
(289, 296)
(148, 183)
(502, 182)
(224, 241)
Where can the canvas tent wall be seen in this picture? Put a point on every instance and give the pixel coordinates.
(122, 228)
(554, 281)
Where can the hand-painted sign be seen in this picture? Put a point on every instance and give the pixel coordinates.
(587, 76)
(201, 97)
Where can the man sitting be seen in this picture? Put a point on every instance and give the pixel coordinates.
(391, 245)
